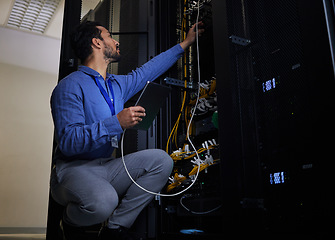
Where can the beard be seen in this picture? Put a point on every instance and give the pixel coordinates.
(110, 55)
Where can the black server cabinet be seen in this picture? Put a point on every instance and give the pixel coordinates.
(132, 23)
(276, 95)
(67, 64)
(196, 213)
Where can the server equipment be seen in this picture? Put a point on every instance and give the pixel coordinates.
(248, 121)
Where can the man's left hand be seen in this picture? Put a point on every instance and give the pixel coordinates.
(192, 34)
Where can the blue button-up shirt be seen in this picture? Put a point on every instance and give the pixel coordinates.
(84, 125)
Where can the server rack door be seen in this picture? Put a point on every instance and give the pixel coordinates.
(276, 115)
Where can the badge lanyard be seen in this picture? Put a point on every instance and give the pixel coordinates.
(109, 101)
(114, 140)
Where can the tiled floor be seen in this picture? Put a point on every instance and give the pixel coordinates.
(22, 236)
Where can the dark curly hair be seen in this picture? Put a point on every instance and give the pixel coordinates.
(81, 39)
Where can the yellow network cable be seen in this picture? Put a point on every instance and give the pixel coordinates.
(184, 156)
(205, 93)
(183, 33)
(174, 131)
(195, 169)
(213, 87)
(178, 179)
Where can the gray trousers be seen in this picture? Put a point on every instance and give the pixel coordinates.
(96, 190)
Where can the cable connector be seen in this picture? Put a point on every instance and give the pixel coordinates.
(171, 180)
(206, 144)
(177, 178)
(197, 161)
(193, 178)
(187, 148)
(209, 160)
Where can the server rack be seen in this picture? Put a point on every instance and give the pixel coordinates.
(274, 81)
(275, 78)
(277, 134)
(196, 213)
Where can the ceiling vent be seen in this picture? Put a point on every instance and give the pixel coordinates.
(32, 15)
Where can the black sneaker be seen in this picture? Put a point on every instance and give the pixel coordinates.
(121, 233)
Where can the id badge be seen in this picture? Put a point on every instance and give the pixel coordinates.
(115, 142)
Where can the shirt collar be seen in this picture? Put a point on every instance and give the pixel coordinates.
(91, 72)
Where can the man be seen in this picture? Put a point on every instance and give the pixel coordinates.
(89, 117)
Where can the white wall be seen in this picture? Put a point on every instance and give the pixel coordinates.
(29, 50)
(28, 74)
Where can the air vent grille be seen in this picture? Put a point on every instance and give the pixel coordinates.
(32, 15)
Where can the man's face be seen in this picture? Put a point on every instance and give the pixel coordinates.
(111, 46)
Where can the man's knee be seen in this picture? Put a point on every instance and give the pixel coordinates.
(98, 206)
(103, 204)
(164, 160)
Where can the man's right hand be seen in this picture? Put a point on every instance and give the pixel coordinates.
(131, 116)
